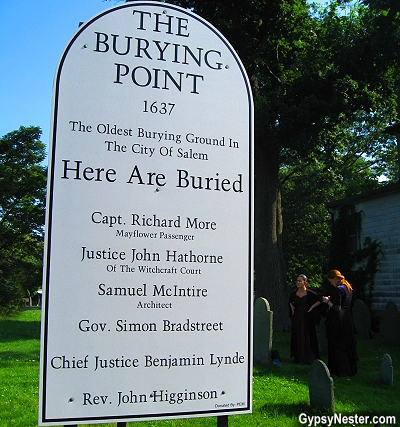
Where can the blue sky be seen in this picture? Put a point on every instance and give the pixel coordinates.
(33, 35)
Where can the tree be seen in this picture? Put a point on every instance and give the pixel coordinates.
(310, 69)
(361, 154)
(22, 206)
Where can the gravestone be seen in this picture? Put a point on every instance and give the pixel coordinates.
(262, 331)
(362, 319)
(386, 373)
(390, 324)
(320, 386)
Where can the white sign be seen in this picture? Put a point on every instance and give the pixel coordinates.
(147, 297)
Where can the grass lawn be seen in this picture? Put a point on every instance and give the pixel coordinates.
(280, 394)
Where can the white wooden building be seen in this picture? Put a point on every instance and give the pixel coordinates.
(380, 221)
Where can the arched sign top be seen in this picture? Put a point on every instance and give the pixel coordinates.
(174, 26)
(149, 227)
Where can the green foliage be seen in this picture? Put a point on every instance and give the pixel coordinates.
(324, 80)
(308, 184)
(22, 204)
(307, 232)
(359, 266)
(348, 159)
(10, 297)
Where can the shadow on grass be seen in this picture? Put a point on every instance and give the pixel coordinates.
(15, 330)
(290, 410)
(288, 370)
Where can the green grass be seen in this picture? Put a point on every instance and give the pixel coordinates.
(280, 394)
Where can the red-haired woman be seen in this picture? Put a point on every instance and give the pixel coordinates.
(342, 351)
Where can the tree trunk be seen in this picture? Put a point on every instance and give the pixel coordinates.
(269, 262)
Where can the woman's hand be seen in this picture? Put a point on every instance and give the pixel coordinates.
(316, 304)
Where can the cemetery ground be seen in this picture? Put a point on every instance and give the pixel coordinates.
(280, 393)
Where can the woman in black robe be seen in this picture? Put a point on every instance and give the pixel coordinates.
(304, 342)
(342, 350)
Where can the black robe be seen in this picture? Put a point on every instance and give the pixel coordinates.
(304, 342)
(340, 333)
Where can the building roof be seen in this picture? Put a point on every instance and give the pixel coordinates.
(373, 194)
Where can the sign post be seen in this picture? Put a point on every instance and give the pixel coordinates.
(147, 303)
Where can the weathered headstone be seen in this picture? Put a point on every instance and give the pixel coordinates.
(390, 324)
(386, 373)
(262, 331)
(320, 386)
(362, 319)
